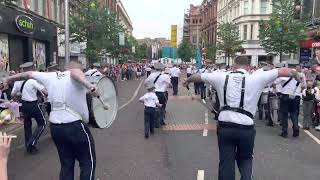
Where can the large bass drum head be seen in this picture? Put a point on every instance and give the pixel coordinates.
(109, 95)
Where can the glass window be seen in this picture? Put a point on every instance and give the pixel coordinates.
(54, 10)
(194, 39)
(245, 32)
(263, 6)
(251, 32)
(246, 7)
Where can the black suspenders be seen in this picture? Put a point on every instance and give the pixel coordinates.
(239, 109)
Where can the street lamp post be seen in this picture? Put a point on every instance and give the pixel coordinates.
(66, 28)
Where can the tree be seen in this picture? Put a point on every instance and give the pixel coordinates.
(228, 39)
(282, 33)
(96, 26)
(185, 51)
(211, 52)
(141, 52)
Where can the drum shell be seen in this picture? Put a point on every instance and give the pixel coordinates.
(102, 118)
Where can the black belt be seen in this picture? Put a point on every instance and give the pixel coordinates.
(238, 110)
(234, 125)
(30, 101)
(73, 122)
(149, 107)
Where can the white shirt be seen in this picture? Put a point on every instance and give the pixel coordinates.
(291, 88)
(253, 88)
(175, 72)
(148, 68)
(93, 72)
(30, 89)
(61, 87)
(189, 70)
(162, 83)
(150, 99)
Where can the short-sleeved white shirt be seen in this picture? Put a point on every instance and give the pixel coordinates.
(253, 88)
(61, 87)
(30, 89)
(175, 72)
(162, 83)
(189, 70)
(93, 72)
(150, 99)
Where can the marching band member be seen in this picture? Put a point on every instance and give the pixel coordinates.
(238, 93)
(67, 95)
(175, 74)
(95, 70)
(30, 108)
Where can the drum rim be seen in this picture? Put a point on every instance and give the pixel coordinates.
(114, 116)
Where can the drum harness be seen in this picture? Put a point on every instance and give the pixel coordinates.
(61, 105)
(239, 109)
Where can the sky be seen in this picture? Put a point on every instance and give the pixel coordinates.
(153, 18)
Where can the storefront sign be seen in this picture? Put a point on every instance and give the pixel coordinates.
(25, 24)
(310, 44)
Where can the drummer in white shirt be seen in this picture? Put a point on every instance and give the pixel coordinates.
(175, 74)
(189, 71)
(95, 70)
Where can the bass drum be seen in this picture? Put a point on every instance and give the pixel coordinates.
(98, 116)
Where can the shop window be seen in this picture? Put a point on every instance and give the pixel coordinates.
(4, 52)
(39, 54)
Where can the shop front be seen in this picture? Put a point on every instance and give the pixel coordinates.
(25, 37)
(309, 50)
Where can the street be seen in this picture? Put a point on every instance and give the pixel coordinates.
(185, 149)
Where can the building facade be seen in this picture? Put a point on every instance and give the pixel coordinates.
(246, 14)
(193, 22)
(124, 17)
(28, 32)
(208, 12)
(154, 46)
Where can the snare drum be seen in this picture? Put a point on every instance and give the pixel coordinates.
(264, 98)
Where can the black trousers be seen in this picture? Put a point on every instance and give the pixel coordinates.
(202, 90)
(175, 82)
(74, 142)
(289, 106)
(148, 73)
(161, 112)
(196, 88)
(149, 120)
(32, 110)
(236, 144)
(188, 75)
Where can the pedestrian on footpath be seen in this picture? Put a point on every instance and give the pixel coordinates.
(161, 82)
(30, 108)
(308, 97)
(67, 95)
(151, 102)
(175, 74)
(238, 93)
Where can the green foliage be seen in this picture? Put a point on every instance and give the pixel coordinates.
(211, 52)
(96, 26)
(228, 39)
(282, 33)
(185, 51)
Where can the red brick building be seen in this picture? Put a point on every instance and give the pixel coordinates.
(208, 10)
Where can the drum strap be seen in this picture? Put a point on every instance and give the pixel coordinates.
(239, 109)
(156, 78)
(287, 82)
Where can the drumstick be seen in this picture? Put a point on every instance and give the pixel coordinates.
(105, 106)
(9, 136)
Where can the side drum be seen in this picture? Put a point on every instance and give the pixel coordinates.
(99, 116)
(264, 98)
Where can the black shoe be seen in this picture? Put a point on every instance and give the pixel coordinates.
(146, 136)
(151, 132)
(295, 134)
(284, 135)
(163, 123)
(32, 150)
(270, 124)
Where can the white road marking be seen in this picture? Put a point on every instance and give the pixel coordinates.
(204, 102)
(311, 135)
(133, 97)
(200, 175)
(205, 132)
(206, 119)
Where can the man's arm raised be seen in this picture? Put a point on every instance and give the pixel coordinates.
(287, 72)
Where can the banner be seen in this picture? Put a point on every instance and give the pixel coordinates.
(173, 42)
